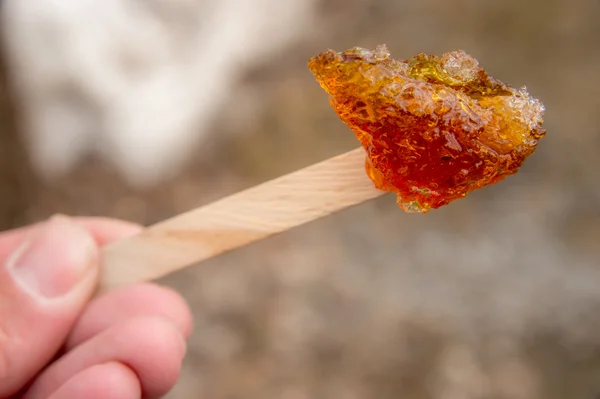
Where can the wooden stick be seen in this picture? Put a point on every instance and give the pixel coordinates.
(240, 219)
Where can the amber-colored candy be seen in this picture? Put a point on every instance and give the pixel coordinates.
(434, 128)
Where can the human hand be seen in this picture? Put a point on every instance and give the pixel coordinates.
(55, 343)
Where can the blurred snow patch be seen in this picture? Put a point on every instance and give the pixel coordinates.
(136, 82)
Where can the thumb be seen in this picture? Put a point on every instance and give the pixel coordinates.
(44, 284)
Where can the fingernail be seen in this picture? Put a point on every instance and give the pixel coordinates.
(54, 258)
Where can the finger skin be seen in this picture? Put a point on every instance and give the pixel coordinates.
(32, 330)
(104, 231)
(111, 380)
(33, 327)
(141, 300)
(152, 347)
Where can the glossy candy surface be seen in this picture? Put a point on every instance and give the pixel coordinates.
(434, 128)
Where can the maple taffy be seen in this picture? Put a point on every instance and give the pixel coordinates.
(433, 128)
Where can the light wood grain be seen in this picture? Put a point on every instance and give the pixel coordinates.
(240, 219)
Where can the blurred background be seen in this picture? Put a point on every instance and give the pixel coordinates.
(141, 110)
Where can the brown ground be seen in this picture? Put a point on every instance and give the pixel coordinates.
(495, 296)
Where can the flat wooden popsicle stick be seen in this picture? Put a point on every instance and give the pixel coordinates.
(240, 219)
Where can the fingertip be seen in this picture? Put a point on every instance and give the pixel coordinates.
(157, 356)
(174, 306)
(112, 380)
(144, 299)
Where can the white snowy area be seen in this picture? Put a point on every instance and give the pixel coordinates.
(135, 82)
